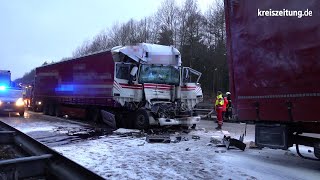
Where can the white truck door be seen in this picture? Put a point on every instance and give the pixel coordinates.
(191, 92)
(123, 91)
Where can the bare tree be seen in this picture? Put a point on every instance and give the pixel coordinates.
(167, 19)
(199, 37)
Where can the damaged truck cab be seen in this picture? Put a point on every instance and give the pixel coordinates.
(150, 81)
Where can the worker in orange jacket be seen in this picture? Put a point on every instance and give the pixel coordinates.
(219, 103)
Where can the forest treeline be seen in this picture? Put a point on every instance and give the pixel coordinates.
(199, 36)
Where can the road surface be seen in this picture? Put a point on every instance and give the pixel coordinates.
(121, 156)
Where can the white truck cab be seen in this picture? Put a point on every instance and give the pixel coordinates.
(150, 81)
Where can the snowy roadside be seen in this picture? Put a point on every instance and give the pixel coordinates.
(118, 156)
(115, 157)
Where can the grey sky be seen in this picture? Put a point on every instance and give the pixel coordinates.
(35, 31)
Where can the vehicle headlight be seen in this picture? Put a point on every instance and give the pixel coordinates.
(39, 102)
(20, 102)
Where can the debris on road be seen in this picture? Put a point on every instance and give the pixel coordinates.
(188, 149)
(215, 140)
(122, 132)
(228, 142)
(220, 151)
(177, 139)
(252, 145)
(153, 138)
(195, 137)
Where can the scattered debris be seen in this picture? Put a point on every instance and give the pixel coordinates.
(220, 151)
(153, 138)
(188, 149)
(195, 137)
(128, 133)
(185, 139)
(228, 141)
(141, 144)
(178, 139)
(123, 131)
(289, 153)
(215, 140)
(209, 144)
(225, 133)
(252, 145)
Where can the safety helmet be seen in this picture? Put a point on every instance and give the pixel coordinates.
(227, 93)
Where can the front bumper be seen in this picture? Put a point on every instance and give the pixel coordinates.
(179, 121)
(10, 107)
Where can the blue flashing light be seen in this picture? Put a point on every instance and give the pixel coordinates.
(65, 87)
(2, 88)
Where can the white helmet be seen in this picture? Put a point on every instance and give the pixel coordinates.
(227, 93)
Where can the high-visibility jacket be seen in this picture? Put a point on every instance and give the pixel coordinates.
(219, 101)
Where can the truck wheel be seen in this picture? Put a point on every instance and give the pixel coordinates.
(58, 111)
(141, 119)
(21, 113)
(317, 150)
(96, 115)
(52, 110)
(46, 109)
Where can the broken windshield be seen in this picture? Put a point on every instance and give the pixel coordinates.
(159, 74)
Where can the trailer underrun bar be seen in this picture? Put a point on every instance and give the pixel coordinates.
(23, 157)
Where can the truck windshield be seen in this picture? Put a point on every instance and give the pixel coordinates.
(159, 74)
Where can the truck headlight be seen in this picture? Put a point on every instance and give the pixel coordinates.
(20, 102)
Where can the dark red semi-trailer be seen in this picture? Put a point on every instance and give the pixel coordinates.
(274, 66)
(81, 82)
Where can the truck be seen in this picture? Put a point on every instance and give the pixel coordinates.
(135, 86)
(11, 96)
(274, 70)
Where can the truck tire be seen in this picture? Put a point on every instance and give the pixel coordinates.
(52, 110)
(96, 115)
(317, 150)
(141, 119)
(46, 109)
(21, 113)
(58, 111)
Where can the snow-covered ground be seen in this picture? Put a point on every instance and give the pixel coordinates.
(115, 157)
(130, 157)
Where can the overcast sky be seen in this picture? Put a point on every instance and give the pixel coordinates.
(35, 31)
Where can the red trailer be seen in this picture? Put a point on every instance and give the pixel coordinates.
(86, 81)
(273, 52)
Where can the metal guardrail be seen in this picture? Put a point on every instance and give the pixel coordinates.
(29, 158)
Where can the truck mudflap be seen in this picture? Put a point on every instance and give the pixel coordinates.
(179, 121)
